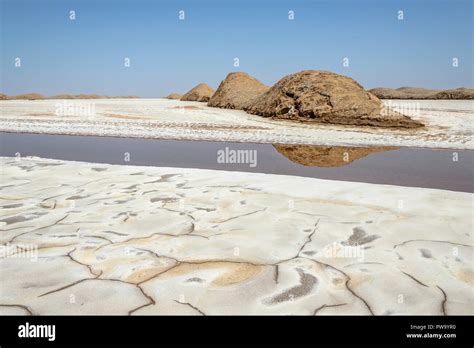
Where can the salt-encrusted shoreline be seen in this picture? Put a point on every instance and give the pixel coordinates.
(113, 239)
(449, 123)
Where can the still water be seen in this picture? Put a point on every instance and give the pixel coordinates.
(442, 169)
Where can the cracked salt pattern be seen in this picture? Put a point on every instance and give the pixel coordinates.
(117, 239)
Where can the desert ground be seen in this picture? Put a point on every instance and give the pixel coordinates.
(114, 239)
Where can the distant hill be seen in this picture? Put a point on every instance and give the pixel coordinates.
(36, 96)
(422, 93)
(27, 96)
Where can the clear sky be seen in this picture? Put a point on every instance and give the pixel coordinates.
(87, 55)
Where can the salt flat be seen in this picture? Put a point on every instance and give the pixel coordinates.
(449, 123)
(111, 239)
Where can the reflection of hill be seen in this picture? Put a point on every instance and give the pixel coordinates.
(326, 156)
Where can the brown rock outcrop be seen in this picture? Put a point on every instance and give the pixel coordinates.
(237, 91)
(174, 96)
(200, 93)
(326, 97)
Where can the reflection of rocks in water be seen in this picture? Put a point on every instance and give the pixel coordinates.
(327, 156)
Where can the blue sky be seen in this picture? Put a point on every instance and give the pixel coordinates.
(169, 55)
